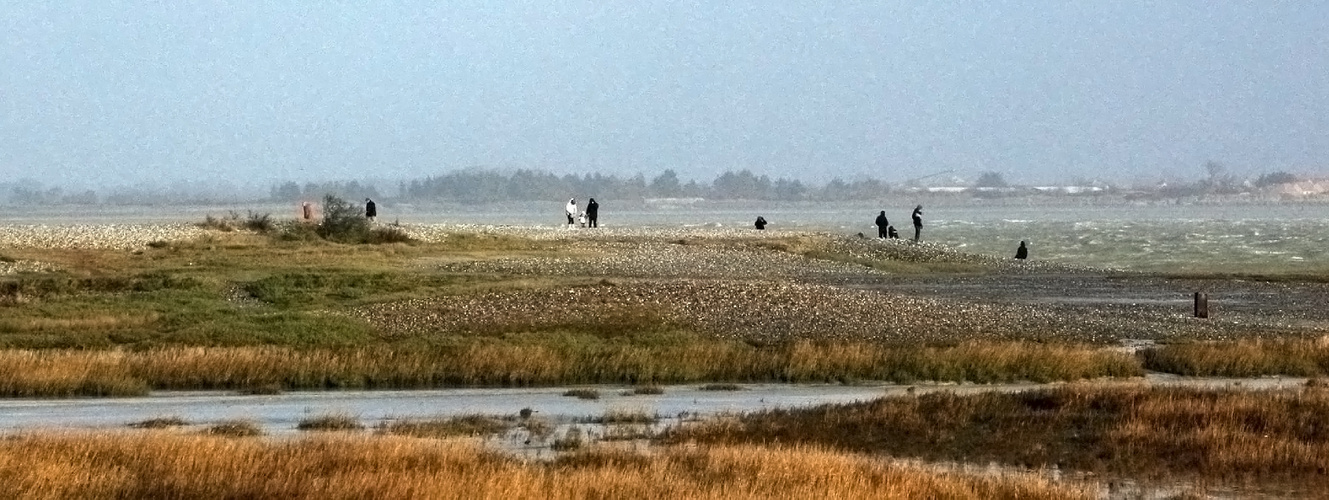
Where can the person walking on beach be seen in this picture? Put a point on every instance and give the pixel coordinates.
(918, 222)
(882, 224)
(1022, 253)
(371, 210)
(592, 213)
(571, 211)
(760, 224)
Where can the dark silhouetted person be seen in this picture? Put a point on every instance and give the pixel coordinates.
(371, 210)
(1022, 253)
(571, 211)
(882, 224)
(592, 213)
(761, 223)
(891, 233)
(918, 222)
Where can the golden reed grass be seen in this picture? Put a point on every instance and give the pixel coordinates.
(159, 464)
(123, 372)
(1140, 431)
(1243, 358)
(93, 322)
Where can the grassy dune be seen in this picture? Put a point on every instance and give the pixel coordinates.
(1217, 435)
(234, 310)
(61, 373)
(151, 464)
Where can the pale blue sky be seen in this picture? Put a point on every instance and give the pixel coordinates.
(112, 92)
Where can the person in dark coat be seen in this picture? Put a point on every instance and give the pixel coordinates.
(882, 224)
(891, 233)
(918, 221)
(592, 213)
(761, 223)
(1022, 253)
(371, 210)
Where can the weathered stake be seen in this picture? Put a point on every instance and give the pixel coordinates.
(1201, 305)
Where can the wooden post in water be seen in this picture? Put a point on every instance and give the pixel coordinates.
(1201, 305)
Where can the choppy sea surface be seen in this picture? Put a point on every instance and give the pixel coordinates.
(1238, 237)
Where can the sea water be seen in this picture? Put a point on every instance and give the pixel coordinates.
(1234, 237)
(1156, 236)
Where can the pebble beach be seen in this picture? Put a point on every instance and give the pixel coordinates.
(769, 286)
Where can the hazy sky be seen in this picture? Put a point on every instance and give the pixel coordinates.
(110, 92)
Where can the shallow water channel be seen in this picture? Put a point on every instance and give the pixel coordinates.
(280, 413)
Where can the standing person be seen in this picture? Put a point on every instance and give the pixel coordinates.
(760, 224)
(592, 213)
(918, 222)
(307, 211)
(882, 224)
(571, 211)
(1022, 253)
(371, 210)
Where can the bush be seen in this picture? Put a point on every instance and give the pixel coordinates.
(343, 222)
(259, 222)
(1275, 178)
(991, 180)
(227, 223)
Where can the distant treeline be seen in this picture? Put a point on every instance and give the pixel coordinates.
(483, 185)
(489, 185)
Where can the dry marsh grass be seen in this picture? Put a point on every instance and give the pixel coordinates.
(95, 321)
(28, 373)
(51, 373)
(1244, 358)
(1219, 435)
(465, 425)
(619, 416)
(160, 423)
(582, 393)
(720, 387)
(332, 422)
(163, 465)
(234, 429)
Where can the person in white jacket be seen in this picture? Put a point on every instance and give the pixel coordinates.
(571, 210)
